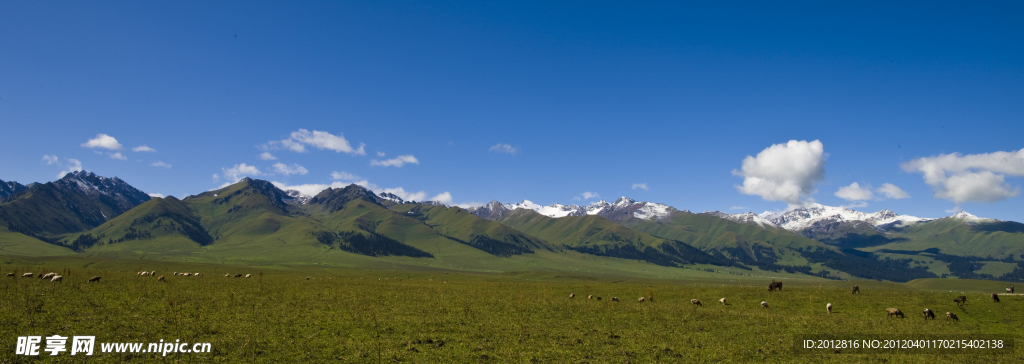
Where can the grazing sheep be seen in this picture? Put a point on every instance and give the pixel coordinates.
(57, 278)
(598, 298)
(26, 275)
(951, 316)
(641, 300)
(572, 295)
(616, 299)
(928, 313)
(175, 274)
(248, 275)
(10, 274)
(239, 275)
(960, 301)
(894, 312)
(226, 275)
(161, 278)
(48, 275)
(650, 298)
(590, 297)
(764, 304)
(775, 285)
(1009, 290)
(696, 302)
(722, 300)
(856, 289)
(828, 308)
(94, 279)
(195, 274)
(995, 298)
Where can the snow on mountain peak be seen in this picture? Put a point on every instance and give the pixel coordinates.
(800, 218)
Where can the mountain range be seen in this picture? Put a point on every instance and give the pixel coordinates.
(253, 220)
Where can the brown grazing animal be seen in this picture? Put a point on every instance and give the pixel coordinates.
(239, 275)
(928, 313)
(951, 316)
(696, 302)
(764, 304)
(856, 289)
(960, 301)
(894, 312)
(772, 286)
(598, 298)
(572, 295)
(94, 279)
(161, 278)
(828, 308)
(722, 300)
(995, 298)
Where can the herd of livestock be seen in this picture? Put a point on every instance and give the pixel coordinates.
(890, 312)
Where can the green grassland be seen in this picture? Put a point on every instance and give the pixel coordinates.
(438, 316)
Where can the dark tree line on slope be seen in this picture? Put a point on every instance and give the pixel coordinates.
(867, 265)
(672, 254)
(371, 244)
(765, 258)
(493, 246)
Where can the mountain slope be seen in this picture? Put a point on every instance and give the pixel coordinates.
(157, 219)
(77, 202)
(462, 226)
(9, 189)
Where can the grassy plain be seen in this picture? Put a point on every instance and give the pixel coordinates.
(438, 316)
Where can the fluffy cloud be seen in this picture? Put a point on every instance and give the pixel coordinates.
(854, 192)
(504, 148)
(160, 164)
(143, 148)
(236, 172)
(738, 208)
(103, 141)
(970, 178)
(73, 165)
(49, 159)
(344, 176)
(586, 196)
(380, 154)
(395, 162)
(289, 170)
(640, 186)
(157, 195)
(298, 141)
(783, 172)
(267, 156)
(890, 190)
(443, 197)
(118, 155)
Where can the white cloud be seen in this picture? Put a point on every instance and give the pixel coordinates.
(640, 186)
(380, 154)
(738, 208)
(290, 170)
(784, 172)
(855, 205)
(216, 177)
(504, 148)
(298, 140)
(892, 191)
(73, 165)
(143, 148)
(235, 173)
(118, 155)
(395, 162)
(157, 195)
(589, 195)
(854, 192)
(267, 156)
(443, 197)
(160, 164)
(103, 141)
(469, 205)
(344, 176)
(970, 178)
(49, 159)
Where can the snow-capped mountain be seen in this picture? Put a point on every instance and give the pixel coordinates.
(111, 191)
(744, 218)
(805, 217)
(8, 189)
(622, 208)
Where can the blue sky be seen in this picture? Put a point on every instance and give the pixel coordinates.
(592, 97)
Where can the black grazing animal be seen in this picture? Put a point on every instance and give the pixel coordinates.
(960, 301)
(856, 289)
(951, 316)
(928, 313)
(772, 286)
(995, 298)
